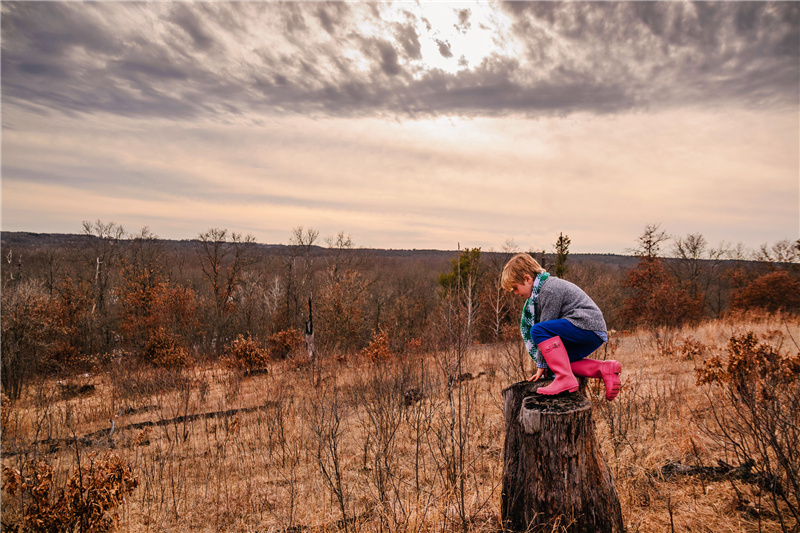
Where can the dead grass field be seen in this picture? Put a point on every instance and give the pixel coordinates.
(411, 443)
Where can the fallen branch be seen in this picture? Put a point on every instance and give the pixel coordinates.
(105, 434)
(743, 472)
(713, 473)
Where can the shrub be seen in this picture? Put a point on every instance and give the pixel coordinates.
(755, 402)
(91, 492)
(772, 292)
(657, 299)
(162, 349)
(247, 354)
(78, 334)
(28, 330)
(690, 349)
(152, 310)
(285, 343)
(5, 414)
(378, 349)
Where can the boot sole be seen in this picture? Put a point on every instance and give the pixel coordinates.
(557, 393)
(570, 390)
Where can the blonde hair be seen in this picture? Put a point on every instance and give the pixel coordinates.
(515, 270)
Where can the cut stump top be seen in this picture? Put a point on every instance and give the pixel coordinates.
(523, 403)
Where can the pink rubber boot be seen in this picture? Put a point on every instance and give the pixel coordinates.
(557, 359)
(608, 371)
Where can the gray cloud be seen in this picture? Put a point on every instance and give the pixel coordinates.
(444, 48)
(463, 24)
(670, 52)
(52, 29)
(388, 56)
(591, 56)
(332, 15)
(407, 37)
(186, 19)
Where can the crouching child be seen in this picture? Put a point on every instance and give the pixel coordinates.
(561, 327)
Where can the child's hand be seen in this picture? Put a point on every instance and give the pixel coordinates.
(537, 375)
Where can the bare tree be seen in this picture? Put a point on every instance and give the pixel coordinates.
(298, 265)
(455, 425)
(690, 250)
(223, 258)
(501, 303)
(715, 287)
(340, 257)
(381, 396)
(465, 280)
(103, 254)
(783, 251)
(53, 269)
(649, 242)
(738, 253)
(327, 419)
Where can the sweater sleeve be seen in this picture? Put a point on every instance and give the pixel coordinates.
(550, 301)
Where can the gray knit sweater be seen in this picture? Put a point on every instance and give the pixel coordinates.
(559, 298)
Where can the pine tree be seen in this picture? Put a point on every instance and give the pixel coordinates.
(562, 251)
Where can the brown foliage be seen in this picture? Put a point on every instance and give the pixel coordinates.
(341, 312)
(250, 355)
(247, 354)
(5, 414)
(755, 401)
(772, 292)
(284, 343)
(72, 314)
(378, 349)
(658, 300)
(164, 349)
(91, 492)
(752, 367)
(156, 317)
(28, 330)
(690, 349)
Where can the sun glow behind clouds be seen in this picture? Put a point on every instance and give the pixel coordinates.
(452, 36)
(469, 31)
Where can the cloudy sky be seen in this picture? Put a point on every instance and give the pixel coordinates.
(405, 125)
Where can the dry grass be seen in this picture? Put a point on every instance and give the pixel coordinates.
(376, 441)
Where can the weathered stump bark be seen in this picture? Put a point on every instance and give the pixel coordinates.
(553, 472)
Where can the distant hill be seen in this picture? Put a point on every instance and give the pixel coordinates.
(20, 241)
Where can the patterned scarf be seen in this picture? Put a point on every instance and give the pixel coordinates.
(529, 314)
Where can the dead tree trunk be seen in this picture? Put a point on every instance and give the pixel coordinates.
(553, 472)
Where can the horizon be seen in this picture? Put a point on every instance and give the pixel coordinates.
(665, 252)
(405, 126)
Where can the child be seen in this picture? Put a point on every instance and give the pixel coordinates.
(560, 325)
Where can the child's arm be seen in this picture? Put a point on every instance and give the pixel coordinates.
(537, 375)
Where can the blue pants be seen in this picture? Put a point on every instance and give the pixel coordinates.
(578, 342)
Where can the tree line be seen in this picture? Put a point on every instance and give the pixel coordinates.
(110, 295)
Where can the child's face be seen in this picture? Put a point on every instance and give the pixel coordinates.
(525, 288)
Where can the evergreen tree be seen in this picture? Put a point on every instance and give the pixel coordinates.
(562, 251)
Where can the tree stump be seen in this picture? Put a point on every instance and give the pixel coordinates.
(553, 472)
